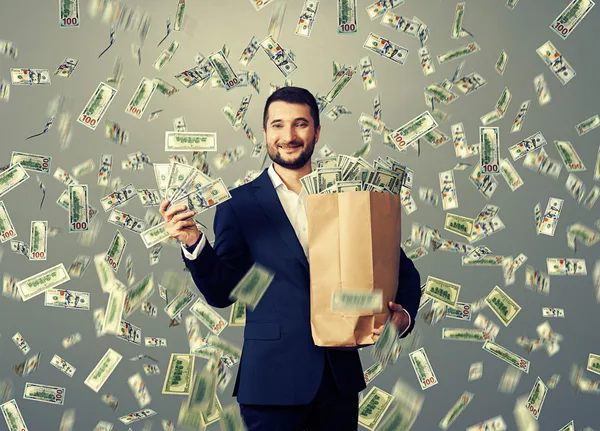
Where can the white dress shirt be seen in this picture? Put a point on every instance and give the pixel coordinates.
(294, 206)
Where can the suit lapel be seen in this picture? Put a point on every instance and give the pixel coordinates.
(267, 198)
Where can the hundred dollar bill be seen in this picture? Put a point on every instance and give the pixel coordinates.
(116, 250)
(470, 83)
(178, 378)
(305, 22)
(461, 311)
(155, 342)
(457, 30)
(537, 280)
(209, 317)
(507, 356)
(502, 305)
(460, 139)
(190, 141)
(448, 190)
(21, 343)
(155, 235)
(386, 48)
(460, 334)
(422, 366)
(62, 365)
(568, 266)
(553, 312)
(280, 57)
(496, 423)
(459, 225)
(7, 229)
(510, 174)
(178, 303)
(490, 150)
(347, 16)
(12, 177)
(42, 281)
(375, 10)
(583, 233)
(456, 410)
(179, 15)
(551, 216)
(34, 162)
(219, 62)
(140, 99)
(527, 145)
(118, 197)
(372, 372)
(114, 308)
(139, 389)
(426, 62)
(166, 55)
(357, 302)
(251, 288)
(44, 393)
(571, 16)
(501, 62)
(97, 106)
(503, 102)
(593, 363)
(164, 87)
(103, 369)
(64, 298)
(12, 416)
(71, 340)
(556, 62)
(69, 13)
(591, 198)
(442, 290)
(588, 125)
(413, 130)
(541, 89)
(205, 197)
(238, 314)
(127, 221)
(459, 52)
(30, 76)
(518, 122)
(373, 407)
(136, 416)
(78, 208)
(569, 427)
(259, 4)
(203, 390)
(536, 398)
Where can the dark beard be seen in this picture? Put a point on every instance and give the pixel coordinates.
(302, 159)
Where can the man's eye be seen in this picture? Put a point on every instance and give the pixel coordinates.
(302, 124)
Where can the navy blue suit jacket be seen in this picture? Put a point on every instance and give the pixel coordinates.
(280, 363)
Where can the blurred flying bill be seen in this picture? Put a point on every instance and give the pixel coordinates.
(190, 141)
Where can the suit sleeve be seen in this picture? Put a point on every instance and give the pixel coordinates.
(409, 289)
(216, 271)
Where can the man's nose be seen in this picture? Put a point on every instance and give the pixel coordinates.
(288, 135)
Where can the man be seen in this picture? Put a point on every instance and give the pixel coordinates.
(284, 381)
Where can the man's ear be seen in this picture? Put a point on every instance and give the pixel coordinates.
(317, 133)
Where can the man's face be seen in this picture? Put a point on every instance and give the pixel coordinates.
(290, 134)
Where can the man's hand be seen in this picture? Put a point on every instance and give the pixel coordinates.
(180, 225)
(399, 318)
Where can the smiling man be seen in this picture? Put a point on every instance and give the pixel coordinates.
(284, 382)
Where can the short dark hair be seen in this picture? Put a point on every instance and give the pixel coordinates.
(295, 95)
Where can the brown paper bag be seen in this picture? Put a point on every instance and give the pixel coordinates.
(354, 242)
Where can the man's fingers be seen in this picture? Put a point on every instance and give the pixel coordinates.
(395, 307)
(182, 216)
(163, 207)
(172, 211)
(183, 223)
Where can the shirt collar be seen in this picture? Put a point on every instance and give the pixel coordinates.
(277, 181)
(275, 178)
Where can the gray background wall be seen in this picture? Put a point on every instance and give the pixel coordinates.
(33, 27)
